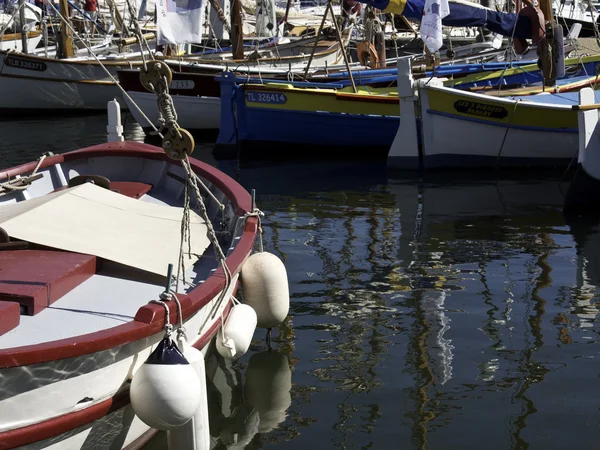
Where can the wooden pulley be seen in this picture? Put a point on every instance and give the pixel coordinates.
(153, 74)
(178, 143)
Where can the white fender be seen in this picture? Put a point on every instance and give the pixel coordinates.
(165, 396)
(267, 388)
(195, 434)
(265, 288)
(235, 337)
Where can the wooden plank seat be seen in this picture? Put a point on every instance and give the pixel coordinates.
(37, 278)
(133, 189)
(10, 316)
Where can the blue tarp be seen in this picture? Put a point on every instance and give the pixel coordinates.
(461, 15)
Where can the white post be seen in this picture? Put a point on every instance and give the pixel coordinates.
(114, 128)
(589, 138)
(404, 152)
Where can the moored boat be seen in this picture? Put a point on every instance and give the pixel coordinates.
(87, 239)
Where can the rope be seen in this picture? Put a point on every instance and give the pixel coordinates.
(168, 326)
(193, 180)
(506, 133)
(258, 214)
(24, 182)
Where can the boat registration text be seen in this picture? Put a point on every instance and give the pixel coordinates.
(182, 84)
(480, 109)
(21, 63)
(274, 98)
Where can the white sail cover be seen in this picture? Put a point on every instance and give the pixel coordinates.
(179, 21)
(431, 23)
(95, 221)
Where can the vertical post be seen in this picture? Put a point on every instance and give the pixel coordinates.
(115, 129)
(404, 151)
(237, 40)
(65, 32)
(45, 34)
(312, 53)
(341, 43)
(23, 28)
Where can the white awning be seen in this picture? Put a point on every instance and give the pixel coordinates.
(96, 221)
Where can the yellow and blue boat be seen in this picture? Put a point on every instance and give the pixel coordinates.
(283, 120)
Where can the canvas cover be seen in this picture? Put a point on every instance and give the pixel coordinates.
(96, 221)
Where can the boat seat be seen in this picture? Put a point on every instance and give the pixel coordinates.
(10, 316)
(37, 278)
(133, 189)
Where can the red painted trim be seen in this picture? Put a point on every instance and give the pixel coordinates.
(10, 316)
(150, 316)
(62, 424)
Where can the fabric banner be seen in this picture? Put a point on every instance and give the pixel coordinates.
(431, 23)
(179, 21)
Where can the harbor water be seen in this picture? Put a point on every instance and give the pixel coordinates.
(448, 312)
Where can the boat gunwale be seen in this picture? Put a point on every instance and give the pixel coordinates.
(493, 99)
(170, 60)
(149, 318)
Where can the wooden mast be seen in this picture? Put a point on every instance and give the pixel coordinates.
(66, 38)
(23, 30)
(237, 33)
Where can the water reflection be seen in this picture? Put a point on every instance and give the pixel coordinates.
(434, 308)
(435, 313)
(243, 406)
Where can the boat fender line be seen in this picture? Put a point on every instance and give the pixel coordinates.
(166, 391)
(236, 333)
(538, 28)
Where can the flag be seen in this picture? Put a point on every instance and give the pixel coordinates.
(431, 23)
(179, 21)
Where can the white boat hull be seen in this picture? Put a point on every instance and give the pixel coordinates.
(453, 138)
(32, 83)
(193, 113)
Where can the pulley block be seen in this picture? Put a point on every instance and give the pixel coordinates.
(178, 143)
(154, 73)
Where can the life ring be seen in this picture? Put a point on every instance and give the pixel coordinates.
(538, 28)
(98, 180)
(365, 51)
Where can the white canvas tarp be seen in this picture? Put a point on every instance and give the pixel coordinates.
(93, 220)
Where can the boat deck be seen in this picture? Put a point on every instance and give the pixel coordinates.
(114, 293)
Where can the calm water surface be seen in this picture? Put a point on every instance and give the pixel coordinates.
(434, 314)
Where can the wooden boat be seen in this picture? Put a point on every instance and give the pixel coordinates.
(80, 262)
(284, 120)
(470, 129)
(30, 82)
